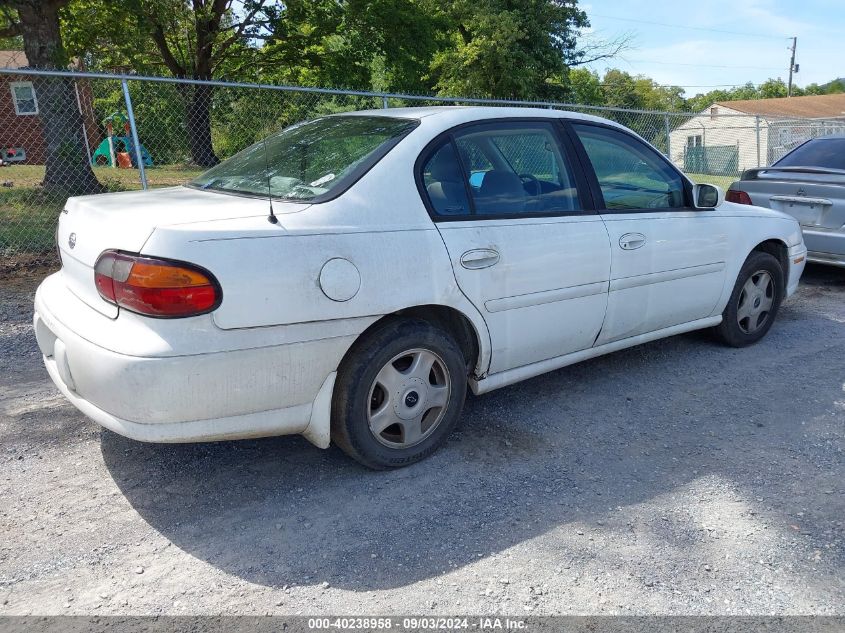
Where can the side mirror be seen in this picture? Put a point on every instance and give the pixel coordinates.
(707, 196)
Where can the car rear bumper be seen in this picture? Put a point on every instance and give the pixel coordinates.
(275, 390)
(825, 247)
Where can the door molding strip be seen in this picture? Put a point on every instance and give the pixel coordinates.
(665, 275)
(546, 296)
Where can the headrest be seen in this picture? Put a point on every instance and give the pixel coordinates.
(444, 166)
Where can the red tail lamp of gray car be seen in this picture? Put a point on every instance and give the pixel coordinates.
(156, 287)
(740, 197)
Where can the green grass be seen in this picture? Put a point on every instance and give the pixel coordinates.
(721, 181)
(28, 212)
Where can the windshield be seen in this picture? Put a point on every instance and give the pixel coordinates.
(820, 152)
(310, 160)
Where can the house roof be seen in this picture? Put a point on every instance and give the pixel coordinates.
(811, 107)
(13, 59)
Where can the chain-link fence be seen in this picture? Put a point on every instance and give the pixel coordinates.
(64, 134)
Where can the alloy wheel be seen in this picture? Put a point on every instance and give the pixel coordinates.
(755, 302)
(408, 398)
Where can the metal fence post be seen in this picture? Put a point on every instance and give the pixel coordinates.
(138, 156)
(668, 137)
(757, 132)
(384, 103)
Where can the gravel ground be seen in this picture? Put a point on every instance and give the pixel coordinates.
(680, 477)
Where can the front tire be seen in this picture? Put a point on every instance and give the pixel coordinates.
(399, 394)
(754, 302)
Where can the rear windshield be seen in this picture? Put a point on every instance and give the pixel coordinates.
(309, 161)
(819, 152)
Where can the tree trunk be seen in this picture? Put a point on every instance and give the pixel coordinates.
(68, 165)
(197, 100)
(68, 168)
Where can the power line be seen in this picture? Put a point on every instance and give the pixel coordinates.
(704, 85)
(657, 85)
(684, 26)
(654, 61)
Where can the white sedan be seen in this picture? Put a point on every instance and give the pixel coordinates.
(348, 278)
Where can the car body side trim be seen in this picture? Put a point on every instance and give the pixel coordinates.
(545, 296)
(665, 275)
(517, 374)
(831, 259)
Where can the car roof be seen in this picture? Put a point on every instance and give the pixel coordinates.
(456, 114)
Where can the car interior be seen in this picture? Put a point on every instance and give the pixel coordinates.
(517, 171)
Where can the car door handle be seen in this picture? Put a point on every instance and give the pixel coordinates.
(479, 258)
(632, 241)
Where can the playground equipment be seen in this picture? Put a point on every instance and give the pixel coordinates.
(119, 151)
(9, 155)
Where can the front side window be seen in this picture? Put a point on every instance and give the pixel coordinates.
(509, 169)
(631, 175)
(23, 96)
(310, 161)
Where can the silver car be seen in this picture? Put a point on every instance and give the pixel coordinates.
(808, 184)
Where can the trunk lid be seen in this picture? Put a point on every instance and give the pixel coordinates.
(816, 200)
(89, 225)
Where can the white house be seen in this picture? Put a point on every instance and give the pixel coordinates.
(731, 136)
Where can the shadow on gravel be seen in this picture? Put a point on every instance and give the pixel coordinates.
(573, 445)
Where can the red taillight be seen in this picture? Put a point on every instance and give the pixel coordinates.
(155, 287)
(740, 197)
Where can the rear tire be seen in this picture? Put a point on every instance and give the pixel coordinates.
(754, 302)
(399, 394)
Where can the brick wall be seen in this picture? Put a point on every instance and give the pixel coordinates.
(25, 130)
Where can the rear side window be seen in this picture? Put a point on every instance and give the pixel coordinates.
(631, 175)
(820, 152)
(508, 168)
(444, 182)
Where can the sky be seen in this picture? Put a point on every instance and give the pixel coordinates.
(697, 53)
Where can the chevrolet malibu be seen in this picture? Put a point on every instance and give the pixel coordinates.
(347, 278)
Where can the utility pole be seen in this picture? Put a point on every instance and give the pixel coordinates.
(792, 67)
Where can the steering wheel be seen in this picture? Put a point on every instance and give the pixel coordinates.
(529, 178)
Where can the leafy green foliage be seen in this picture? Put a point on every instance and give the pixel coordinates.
(505, 49)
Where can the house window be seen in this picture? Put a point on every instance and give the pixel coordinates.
(694, 140)
(23, 96)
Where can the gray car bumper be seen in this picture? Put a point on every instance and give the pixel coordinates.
(825, 247)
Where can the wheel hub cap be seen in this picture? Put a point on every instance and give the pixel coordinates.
(408, 398)
(755, 302)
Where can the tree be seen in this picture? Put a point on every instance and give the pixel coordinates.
(215, 34)
(514, 49)
(357, 44)
(197, 39)
(585, 87)
(37, 23)
(769, 89)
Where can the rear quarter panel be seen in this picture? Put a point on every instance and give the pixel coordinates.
(270, 273)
